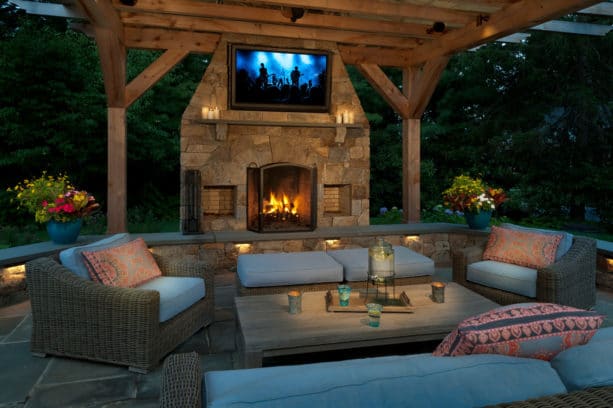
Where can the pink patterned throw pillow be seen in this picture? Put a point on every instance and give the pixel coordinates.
(533, 330)
(127, 265)
(529, 249)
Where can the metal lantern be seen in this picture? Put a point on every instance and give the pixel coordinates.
(381, 269)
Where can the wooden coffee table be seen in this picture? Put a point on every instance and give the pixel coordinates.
(266, 329)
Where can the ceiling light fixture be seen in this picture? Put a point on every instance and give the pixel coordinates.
(437, 27)
(293, 13)
(482, 19)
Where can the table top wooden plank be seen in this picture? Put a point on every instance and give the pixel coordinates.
(266, 324)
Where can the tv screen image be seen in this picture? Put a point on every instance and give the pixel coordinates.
(279, 79)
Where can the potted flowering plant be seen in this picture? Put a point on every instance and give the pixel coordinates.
(474, 198)
(55, 201)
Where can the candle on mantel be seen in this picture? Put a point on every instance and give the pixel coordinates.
(205, 112)
(350, 117)
(210, 114)
(216, 113)
(345, 117)
(339, 118)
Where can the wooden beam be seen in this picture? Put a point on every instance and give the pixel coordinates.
(109, 35)
(113, 63)
(386, 88)
(379, 8)
(102, 14)
(411, 169)
(117, 210)
(517, 17)
(385, 57)
(274, 16)
(152, 74)
(164, 39)
(422, 82)
(251, 28)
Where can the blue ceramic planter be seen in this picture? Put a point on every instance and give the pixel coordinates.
(479, 220)
(64, 232)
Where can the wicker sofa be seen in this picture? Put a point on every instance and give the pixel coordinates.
(581, 376)
(75, 317)
(569, 281)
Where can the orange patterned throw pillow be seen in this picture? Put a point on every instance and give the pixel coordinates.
(529, 249)
(127, 265)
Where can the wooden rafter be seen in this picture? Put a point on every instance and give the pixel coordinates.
(354, 55)
(516, 17)
(421, 82)
(379, 8)
(163, 39)
(255, 14)
(102, 15)
(153, 73)
(386, 88)
(202, 24)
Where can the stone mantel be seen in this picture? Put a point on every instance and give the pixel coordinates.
(280, 123)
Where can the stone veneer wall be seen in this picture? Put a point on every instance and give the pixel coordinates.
(223, 255)
(222, 149)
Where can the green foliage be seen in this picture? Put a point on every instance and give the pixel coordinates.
(61, 125)
(392, 216)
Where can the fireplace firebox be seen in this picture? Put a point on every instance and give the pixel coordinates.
(281, 197)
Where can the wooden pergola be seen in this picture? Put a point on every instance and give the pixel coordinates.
(417, 36)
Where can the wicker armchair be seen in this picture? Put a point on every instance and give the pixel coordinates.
(571, 281)
(74, 317)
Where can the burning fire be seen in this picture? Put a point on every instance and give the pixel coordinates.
(281, 205)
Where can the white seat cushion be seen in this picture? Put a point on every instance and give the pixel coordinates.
(177, 293)
(289, 268)
(407, 263)
(504, 276)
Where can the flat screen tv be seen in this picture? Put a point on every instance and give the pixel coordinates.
(279, 79)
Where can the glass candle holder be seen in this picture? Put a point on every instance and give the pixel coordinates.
(438, 292)
(381, 262)
(295, 301)
(374, 314)
(344, 292)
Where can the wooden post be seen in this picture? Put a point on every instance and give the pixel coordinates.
(117, 220)
(411, 163)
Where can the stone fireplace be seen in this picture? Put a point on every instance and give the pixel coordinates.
(231, 165)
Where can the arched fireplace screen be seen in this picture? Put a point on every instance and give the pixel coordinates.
(281, 197)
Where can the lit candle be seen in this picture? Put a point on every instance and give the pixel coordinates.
(350, 117)
(295, 301)
(438, 292)
(339, 118)
(216, 113)
(345, 117)
(205, 112)
(211, 114)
